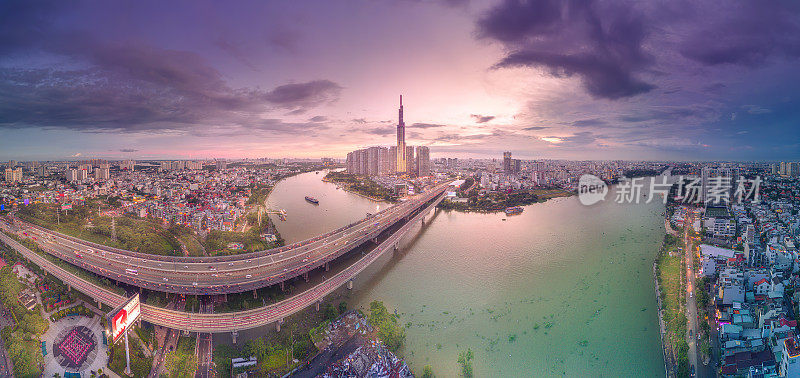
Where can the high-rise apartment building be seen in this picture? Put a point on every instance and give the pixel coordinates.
(410, 159)
(423, 161)
(71, 174)
(102, 173)
(393, 159)
(13, 174)
(372, 161)
(127, 165)
(507, 168)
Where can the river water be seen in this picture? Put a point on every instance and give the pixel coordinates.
(559, 290)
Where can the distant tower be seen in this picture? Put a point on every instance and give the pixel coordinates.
(401, 141)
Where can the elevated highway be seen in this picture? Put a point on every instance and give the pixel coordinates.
(224, 274)
(234, 321)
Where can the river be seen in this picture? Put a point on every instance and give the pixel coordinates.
(561, 289)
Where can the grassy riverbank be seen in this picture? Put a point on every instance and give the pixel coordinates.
(670, 268)
(497, 201)
(361, 185)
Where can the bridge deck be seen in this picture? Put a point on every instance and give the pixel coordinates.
(225, 322)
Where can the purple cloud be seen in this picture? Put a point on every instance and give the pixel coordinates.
(481, 118)
(601, 45)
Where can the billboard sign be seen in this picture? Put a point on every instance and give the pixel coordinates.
(121, 318)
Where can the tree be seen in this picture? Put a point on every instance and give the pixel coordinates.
(465, 359)
(330, 312)
(427, 372)
(389, 331)
(342, 307)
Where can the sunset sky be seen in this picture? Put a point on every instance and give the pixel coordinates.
(686, 80)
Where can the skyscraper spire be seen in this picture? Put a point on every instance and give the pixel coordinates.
(401, 140)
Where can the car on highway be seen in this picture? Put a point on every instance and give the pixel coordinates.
(248, 276)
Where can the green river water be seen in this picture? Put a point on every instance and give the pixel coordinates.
(559, 290)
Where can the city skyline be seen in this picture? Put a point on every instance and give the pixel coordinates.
(542, 79)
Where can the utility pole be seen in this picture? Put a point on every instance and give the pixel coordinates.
(127, 355)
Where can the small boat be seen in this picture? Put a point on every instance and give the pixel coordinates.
(514, 210)
(312, 200)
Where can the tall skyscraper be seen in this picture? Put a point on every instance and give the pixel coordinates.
(402, 162)
(507, 164)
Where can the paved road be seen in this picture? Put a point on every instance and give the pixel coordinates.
(217, 275)
(227, 322)
(693, 326)
(205, 348)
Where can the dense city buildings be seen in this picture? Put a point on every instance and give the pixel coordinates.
(411, 161)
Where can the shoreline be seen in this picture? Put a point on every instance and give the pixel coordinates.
(347, 189)
(660, 313)
(485, 211)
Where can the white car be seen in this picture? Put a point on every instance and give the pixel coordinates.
(248, 276)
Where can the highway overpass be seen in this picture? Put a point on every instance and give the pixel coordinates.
(225, 274)
(234, 321)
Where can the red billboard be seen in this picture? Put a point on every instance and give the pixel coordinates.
(123, 317)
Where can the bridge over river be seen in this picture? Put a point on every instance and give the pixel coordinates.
(227, 274)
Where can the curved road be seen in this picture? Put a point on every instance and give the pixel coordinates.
(224, 274)
(226, 322)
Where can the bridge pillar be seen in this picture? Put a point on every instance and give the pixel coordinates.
(255, 293)
(317, 305)
(69, 288)
(375, 240)
(327, 266)
(350, 285)
(305, 276)
(233, 335)
(278, 324)
(283, 288)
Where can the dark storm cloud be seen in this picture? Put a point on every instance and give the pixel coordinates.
(140, 95)
(603, 45)
(126, 86)
(589, 122)
(534, 128)
(673, 113)
(419, 125)
(307, 94)
(746, 33)
(140, 88)
(481, 118)
(318, 118)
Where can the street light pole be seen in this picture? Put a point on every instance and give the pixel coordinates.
(127, 355)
